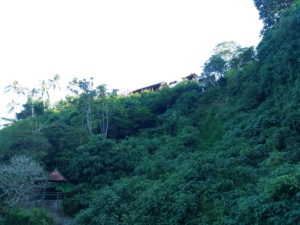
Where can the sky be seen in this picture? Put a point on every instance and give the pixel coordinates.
(123, 44)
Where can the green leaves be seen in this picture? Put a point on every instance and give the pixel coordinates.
(270, 11)
(224, 153)
(33, 216)
(23, 137)
(227, 56)
(65, 187)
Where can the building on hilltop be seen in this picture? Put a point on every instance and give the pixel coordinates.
(153, 87)
(203, 80)
(192, 76)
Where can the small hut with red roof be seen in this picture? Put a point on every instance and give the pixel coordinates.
(55, 176)
(51, 193)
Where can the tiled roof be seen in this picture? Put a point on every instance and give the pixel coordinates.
(56, 176)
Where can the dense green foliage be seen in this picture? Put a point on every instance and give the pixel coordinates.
(225, 154)
(269, 11)
(34, 216)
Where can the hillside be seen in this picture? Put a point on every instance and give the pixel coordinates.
(228, 154)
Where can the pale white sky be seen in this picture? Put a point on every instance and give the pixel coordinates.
(124, 44)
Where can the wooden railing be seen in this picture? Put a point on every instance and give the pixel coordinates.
(52, 195)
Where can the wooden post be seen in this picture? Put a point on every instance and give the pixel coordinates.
(44, 195)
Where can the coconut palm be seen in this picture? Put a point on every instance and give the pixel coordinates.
(72, 84)
(31, 95)
(12, 106)
(44, 89)
(54, 83)
(9, 121)
(16, 88)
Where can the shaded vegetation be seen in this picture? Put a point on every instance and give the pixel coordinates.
(226, 155)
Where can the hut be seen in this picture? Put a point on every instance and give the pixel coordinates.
(57, 180)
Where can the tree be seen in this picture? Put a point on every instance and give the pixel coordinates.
(44, 89)
(226, 49)
(165, 96)
(242, 57)
(12, 106)
(31, 96)
(103, 114)
(270, 10)
(17, 90)
(9, 120)
(54, 83)
(215, 66)
(218, 63)
(226, 56)
(72, 84)
(104, 108)
(16, 87)
(22, 138)
(32, 216)
(88, 94)
(20, 179)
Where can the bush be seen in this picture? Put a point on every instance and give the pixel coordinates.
(33, 216)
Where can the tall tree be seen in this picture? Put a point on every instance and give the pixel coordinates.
(16, 87)
(215, 66)
(54, 83)
(104, 108)
(88, 94)
(218, 63)
(44, 89)
(165, 96)
(72, 86)
(31, 95)
(226, 49)
(226, 56)
(13, 105)
(269, 11)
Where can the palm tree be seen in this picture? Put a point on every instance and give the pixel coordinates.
(12, 106)
(32, 95)
(9, 120)
(72, 84)
(44, 88)
(16, 88)
(54, 83)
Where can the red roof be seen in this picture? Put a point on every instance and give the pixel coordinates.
(56, 176)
